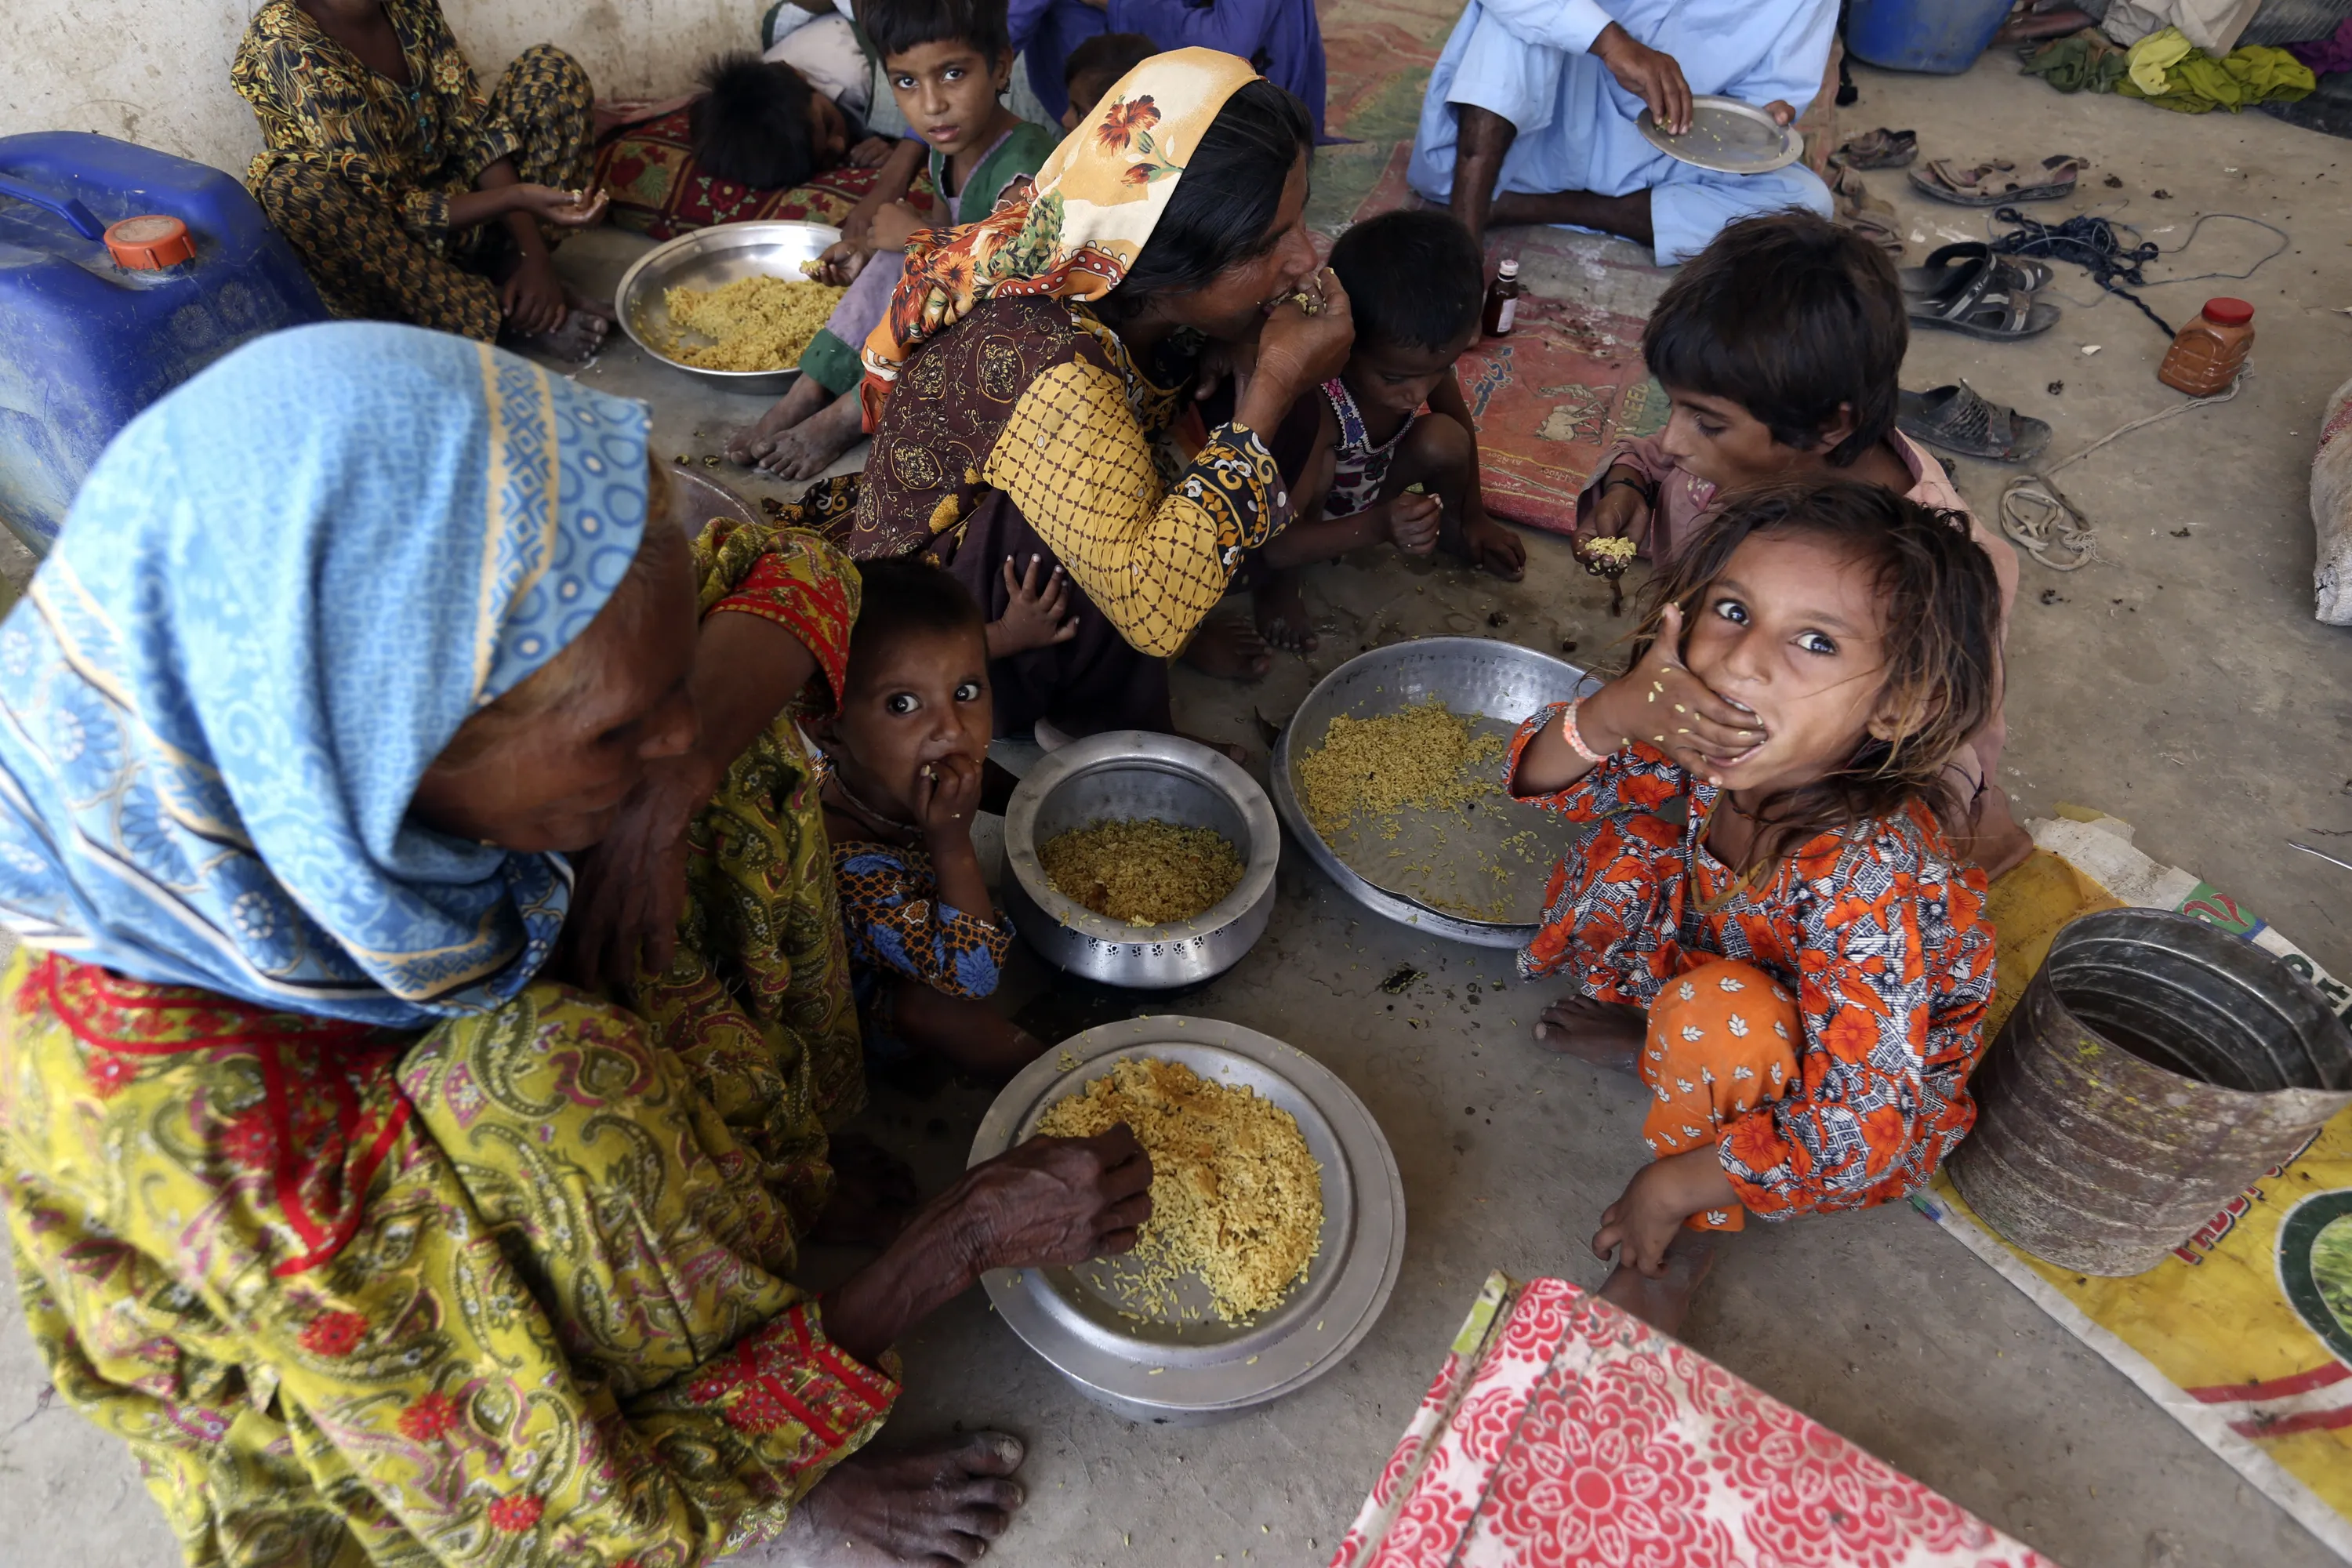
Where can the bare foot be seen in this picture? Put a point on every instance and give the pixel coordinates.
(1486, 544)
(579, 334)
(1229, 647)
(803, 398)
(874, 1192)
(940, 1505)
(809, 448)
(1282, 614)
(1663, 1303)
(1606, 1034)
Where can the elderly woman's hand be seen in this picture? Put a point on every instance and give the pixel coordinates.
(1052, 1201)
(629, 890)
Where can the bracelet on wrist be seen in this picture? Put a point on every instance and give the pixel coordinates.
(1574, 736)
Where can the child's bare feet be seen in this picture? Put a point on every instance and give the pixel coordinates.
(809, 448)
(1282, 616)
(1606, 1034)
(936, 1505)
(803, 398)
(578, 335)
(874, 1192)
(1664, 1301)
(1229, 647)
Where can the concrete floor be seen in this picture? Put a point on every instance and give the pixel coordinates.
(2180, 683)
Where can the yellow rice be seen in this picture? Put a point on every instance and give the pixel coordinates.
(1236, 1196)
(753, 323)
(1146, 872)
(1420, 756)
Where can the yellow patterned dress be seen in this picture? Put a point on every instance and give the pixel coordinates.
(357, 169)
(510, 1292)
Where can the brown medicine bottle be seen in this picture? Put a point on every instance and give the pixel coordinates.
(2207, 354)
(1502, 301)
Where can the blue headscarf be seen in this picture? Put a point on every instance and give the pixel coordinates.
(281, 592)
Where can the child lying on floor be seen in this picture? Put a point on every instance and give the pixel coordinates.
(948, 62)
(1769, 923)
(903, 755)
(1780, 346)
(1384, 469)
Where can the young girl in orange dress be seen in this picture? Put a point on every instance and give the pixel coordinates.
(1768, 922)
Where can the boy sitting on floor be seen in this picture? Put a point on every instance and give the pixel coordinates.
(1780, 346)
(948, 62)
(1094, 64)
(1382, 468)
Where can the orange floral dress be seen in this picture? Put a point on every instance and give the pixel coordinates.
(1879, 931)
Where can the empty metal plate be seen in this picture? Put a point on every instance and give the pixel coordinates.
(1729, 137)
(1183, 1365)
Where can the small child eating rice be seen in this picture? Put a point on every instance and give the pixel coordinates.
(1384, 470)
(903, 757)
(1768, 923)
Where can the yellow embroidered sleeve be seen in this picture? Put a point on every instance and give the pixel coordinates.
(1155, 560)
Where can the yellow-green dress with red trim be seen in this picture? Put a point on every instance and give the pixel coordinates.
(510, 1292)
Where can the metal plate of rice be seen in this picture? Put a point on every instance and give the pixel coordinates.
(1176, 1362)
(1473, 865)
(710, 259)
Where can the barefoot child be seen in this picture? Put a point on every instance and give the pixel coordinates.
(903, 758)
(1778, 346)
(1768, 923)
(947, 61)
(1386, 471)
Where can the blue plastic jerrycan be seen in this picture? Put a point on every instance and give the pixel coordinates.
(93, 331)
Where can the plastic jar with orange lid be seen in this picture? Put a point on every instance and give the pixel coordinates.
(2207, 354)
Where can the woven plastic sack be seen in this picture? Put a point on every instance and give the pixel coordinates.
(2331, 509)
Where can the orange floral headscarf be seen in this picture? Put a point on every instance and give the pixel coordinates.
(1074, 237)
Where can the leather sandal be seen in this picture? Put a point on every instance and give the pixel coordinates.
(1879, 149)
(1973, 301)
(1956, 419)
(1982, 186)
(2024, 277)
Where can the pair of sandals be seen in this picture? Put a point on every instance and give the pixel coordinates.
(1969, 288)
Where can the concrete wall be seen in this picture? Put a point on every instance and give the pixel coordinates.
(158, 73)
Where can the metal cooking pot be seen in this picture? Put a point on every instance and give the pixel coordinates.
(1131, 774)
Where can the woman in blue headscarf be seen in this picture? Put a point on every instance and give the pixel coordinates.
(371, 1241)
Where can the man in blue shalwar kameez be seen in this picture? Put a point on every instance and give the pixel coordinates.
(1281, 38)
(1530, 112)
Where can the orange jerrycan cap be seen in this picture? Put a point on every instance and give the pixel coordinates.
(149, 243)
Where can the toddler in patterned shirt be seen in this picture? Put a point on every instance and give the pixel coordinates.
(903, 754)
(1383, 470)
(1768, 922)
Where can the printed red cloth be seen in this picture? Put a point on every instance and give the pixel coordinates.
(1563, 1432)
